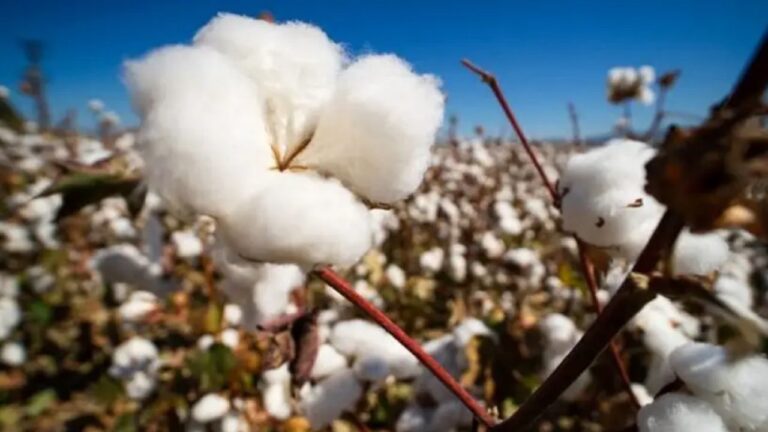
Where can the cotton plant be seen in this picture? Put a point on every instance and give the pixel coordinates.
(628, 83)
(297, 144)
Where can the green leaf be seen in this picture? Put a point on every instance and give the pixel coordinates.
(39, 402)
(106, 390)
(84, 188)
(212, 368)
(39, 312)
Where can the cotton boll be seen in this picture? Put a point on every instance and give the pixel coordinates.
(13, 354)
(294, 65)
(371, 368)
(203, 136)
(396, 276)
(230, 337)
(187, 244)
(450, 416)
(737, 387)
(647, 74)
(329, 398)
(136, 362)
(232, 315)
(124, 263)
(205, 342)
(10, 316)
(675, 412)
(603, 197)
(432, 260)
(467, 329)
(264, 292)
(209, 408)
(699, 254)
(641, 394)
(276, 394)
(138, 306)
(328, 361)
(458, 267)
(447, 352)
(376, 139)
(302, 219)
(493, 246)
(414, 418)
(560, 336)
(356, 338)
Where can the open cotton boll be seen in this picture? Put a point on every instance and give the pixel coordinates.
(302, 219)
(396, 276)
(294, 65)
(603, 197)
(357, 338)
(10, 316)
(138, 306)
(376, 133)
(675, 412)
(276, 392)
(136, 362)
(432, 260)
(449, 416)
(737, 387)
(262, 291)
(699, 254)
(209, 408)
(329, 398)
(203, 137)
(13, 354)
(328, 361)
(371, 368)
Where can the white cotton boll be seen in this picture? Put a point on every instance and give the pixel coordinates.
(448, 353)
(136, 362)
(699, 254)
(13, 354)
(124, 263)
(329, 398)
(356, 338)
(735, 290)
(458, 267)
(9, 285)
(414, 418)
(10, 316)
(262, 291)
(276, 394)
(15, 238)
(187, 244)
(138, 306)
(232, 315)
(432, 260)
(294, 65)
(511, 225)
(122, 228)
(376, 139)
(203, 136)
(604, 201)
(467, 329)
(209, 408)
(641, 394)
(205, 342)
(396, 276)
(328, 361)
(737, 387)
(560, 336)
(493, 246)
(647, 74)
(450, 416)
(646, 96)
(371, 368)
(230, 337)
(302, 219)
(234, 422)
(522, 257)
(41, 279)
(675, 412)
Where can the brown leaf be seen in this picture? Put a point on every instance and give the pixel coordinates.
(307, 342)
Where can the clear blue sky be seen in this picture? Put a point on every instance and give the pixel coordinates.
(544, 52)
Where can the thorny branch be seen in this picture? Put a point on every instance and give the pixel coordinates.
(587, 266)
(341, 286)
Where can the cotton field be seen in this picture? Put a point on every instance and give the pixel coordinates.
(280, 245)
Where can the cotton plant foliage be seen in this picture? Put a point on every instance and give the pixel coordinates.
(271, 130)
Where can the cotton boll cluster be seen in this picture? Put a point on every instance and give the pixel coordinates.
(627, 83)
(679, 412)
(287, 109)
(735, 385)
(136, 363)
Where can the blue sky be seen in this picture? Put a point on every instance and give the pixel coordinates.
(545, 53)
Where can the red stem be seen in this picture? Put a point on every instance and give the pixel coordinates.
(586, 264)
(345, 289)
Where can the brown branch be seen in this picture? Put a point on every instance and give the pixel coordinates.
(494, 85)
(658, 117)
(574, 116)
(341, 286)
(587, 267)
(631, 297)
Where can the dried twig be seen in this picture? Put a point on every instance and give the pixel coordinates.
(342, 287)
(587, 267)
